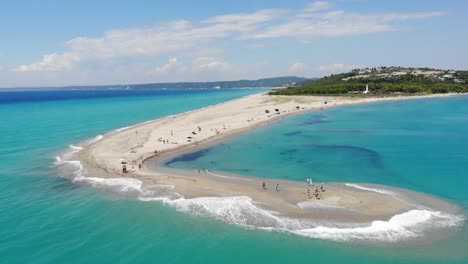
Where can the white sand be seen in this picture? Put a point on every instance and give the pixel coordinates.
(139, 143)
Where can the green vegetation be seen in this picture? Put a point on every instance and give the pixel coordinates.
(385, 80)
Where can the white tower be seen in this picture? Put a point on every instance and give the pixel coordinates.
(367, 89)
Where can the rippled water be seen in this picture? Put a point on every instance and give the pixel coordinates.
(419, 144)
(49, 219)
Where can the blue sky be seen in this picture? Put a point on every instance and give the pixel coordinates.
(58, 43)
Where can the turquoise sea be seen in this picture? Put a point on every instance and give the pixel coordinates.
(419, 144)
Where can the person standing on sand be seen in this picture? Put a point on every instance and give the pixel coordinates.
(264, 185)
(277, 187)
(139, 166)
(308, 193)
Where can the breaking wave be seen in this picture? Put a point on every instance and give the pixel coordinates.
(73, 168)
(408, 225)
(128, 187)
(123, 128)
(243, 211)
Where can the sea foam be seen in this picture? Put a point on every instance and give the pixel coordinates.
(68, 167)
(123, 128)
(411, 224)
(243, 211)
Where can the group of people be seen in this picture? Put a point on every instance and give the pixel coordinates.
(164, 140)
(317, 189)
(265, 188)
(126, 170)
(316, 193)
(202, 170)
(199, 130)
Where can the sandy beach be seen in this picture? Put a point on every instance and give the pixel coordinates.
(152, 142)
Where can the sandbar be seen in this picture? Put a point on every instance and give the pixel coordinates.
(153, 142)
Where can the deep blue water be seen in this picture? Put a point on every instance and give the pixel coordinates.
(51, 95)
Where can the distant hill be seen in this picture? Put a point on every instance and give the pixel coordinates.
(267, 82)
(385, 80)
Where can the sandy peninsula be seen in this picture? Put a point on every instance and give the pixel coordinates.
(152, 142)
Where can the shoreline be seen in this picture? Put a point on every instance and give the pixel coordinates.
(228, 134)
(338, 204)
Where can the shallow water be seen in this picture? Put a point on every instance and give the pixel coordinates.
(49, 219)
(417, 144)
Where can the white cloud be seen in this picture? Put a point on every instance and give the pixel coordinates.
(338, 67)
(331, 24)
(209, 64)
(169, 66)
(248, 18)
(317, 6)
(51, 62)
(315, 20)
(334, 23)
(409, 16)
(175, 36)
(297, 67)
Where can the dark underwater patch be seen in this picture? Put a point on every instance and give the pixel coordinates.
(343, 131)
(319, 116)
(288, 152)
(293, 133)
(372, 155)
(316, 118)
(241, 170)
(313, 122)
(192, 156)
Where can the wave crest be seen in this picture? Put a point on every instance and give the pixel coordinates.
(408, 225)
(243, 211)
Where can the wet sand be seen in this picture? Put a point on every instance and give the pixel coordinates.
(153, 142)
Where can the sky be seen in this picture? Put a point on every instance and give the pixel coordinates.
(62, 43)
